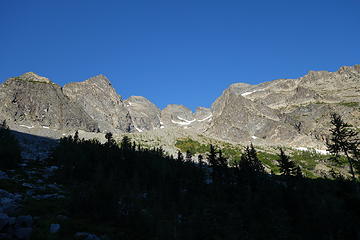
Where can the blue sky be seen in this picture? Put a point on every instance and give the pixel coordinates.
(182, 52)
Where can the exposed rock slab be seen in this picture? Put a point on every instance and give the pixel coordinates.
(33, 101)
(100, 101)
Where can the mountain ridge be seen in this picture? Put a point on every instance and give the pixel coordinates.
(279, 112)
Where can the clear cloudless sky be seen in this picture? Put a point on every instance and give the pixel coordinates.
(177, 51)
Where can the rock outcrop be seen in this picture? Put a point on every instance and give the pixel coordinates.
(287, 111)
(34, 101)
(292, 112)
(144, 114)
(100, 101)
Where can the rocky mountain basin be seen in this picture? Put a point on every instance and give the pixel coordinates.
(283, 112)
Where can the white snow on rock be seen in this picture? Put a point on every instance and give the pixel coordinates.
(254, 137)
(251, 92)
(26, 126)
(138, 129)
(184, 121)
(180, 123)
(204, 119)
(45, 127)
(322, 152)
(302, 149)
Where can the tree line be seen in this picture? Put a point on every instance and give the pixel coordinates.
(147, 194)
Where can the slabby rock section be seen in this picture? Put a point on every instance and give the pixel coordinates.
(291, 112)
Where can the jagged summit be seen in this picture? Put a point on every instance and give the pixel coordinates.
(31, 76)
(239, 87)
(100, 100)
(100, 79)
(291, 112)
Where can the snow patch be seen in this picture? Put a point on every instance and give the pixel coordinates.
(180, 123)
(208, 117)
(184, 121)
(45, 127)
(302, 149)
(138, 129)
(248, 93)
(188, 121)
(162, 127)
(254, 137)
(322, 152)
(27, 126)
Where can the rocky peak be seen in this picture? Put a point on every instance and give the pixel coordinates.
(100, 100)
(177, 115)
(99, 79)
(32, 77)
(350, 69)
(30, 105)
(239, 87)
(137, 100)
(144, 114)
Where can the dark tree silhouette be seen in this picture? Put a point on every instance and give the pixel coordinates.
(76, 136)
(287, 167)
(211, 157)
(298, 172)
(188, 156)
(10, 151)
(200, 159)
(344, 139)
(180, 156)
(250, 163)
(110, 139)
(126, 143)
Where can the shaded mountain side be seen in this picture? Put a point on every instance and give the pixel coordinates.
(287, 111)
(290, 112)
(100, 101)
(34, 101)
(144, 114)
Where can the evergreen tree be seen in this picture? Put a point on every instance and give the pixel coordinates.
(180, 156)
(298, 172)
(287, 167)
(10, 151)
(344, 139)
(200, 159)
(222, 161)
(188, 156)
(211, 157)
(76, 136)
(126, 143)
(249, 162)
(109, 137)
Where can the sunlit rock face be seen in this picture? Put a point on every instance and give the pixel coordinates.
(144, 114)
(100, 101)
(291, 112)
(34, 101)
(287, 111)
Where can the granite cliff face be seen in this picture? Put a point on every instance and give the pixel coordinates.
(100, 101)
(287, 111)
(144, 114)
(33, 101)
(291, 112)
